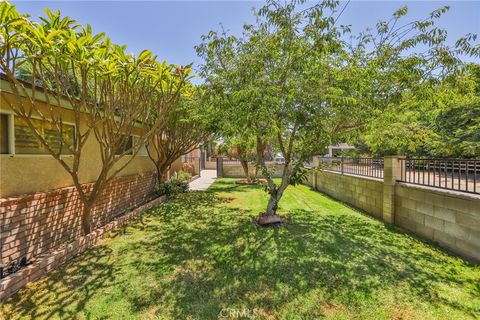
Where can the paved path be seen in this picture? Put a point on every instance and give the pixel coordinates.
(207, 177)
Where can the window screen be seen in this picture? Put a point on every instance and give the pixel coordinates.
(125, 144)
(27, 143)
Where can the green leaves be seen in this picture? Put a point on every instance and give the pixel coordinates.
(144, 55)
(292, 82)
(400, 12)
(74, 62)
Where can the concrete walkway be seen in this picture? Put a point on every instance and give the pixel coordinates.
(207, 177)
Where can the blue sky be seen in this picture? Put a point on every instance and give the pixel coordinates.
(171, 29)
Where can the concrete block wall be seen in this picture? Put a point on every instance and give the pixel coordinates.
(449, 218)
(33, 224)
(361, 192)
(210, 165)
(236, 171)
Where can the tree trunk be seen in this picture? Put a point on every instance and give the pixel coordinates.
(86, 223)
(161, 169)
(159, 175)
(272, 204)
(275, 194)
(244, 164)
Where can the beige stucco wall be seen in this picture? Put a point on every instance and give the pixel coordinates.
(24, 174)
(196, 165)
(176, 165)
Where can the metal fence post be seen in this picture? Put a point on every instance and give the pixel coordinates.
(341, 163)
(219, 167)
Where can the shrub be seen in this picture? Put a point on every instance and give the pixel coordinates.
(177, 184)
(181, 176)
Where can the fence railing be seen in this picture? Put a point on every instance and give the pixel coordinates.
(368, 167)
(452, 174)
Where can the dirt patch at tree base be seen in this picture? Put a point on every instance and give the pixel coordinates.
(269, 220)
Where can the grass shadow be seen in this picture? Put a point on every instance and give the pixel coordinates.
(199, 253)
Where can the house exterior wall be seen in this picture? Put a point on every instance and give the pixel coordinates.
(39, 207)
(25, 174)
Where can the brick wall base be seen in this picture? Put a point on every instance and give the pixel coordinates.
(34, 224)
(54, 258)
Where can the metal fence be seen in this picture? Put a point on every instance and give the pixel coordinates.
(368, 167)
(452, 174)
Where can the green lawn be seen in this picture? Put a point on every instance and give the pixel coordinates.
(199, 256)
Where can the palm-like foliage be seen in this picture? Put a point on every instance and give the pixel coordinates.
(110, 93)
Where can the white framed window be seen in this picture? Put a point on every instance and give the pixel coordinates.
(16, 137)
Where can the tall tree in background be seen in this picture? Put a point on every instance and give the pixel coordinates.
(241, 147)
(182, 126)
(444, 121)
(110, 93)
(292, 80)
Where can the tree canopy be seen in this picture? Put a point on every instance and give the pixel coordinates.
(293, 81)
(442, 122)
(111, 94)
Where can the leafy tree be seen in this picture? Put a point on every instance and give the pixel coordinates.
(292, 80)
(242, 148)
(442, 122)
(110, 93)
(182, 127)
(456, 120)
